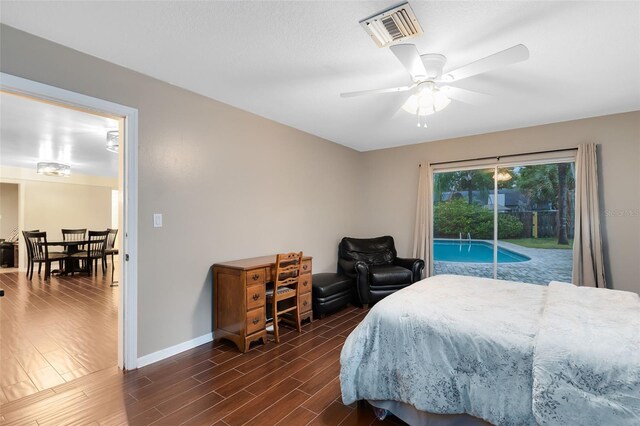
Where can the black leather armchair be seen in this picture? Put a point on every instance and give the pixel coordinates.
(377, 270)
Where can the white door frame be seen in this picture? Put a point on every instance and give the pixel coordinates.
(128, 303)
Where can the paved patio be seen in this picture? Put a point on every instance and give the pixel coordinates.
(545, 265)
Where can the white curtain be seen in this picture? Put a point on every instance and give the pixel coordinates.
(588, 263)
(422, 230)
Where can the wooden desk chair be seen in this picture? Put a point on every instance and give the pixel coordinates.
(96, 246)
(112, 251)
(40, 253)
(285, 289)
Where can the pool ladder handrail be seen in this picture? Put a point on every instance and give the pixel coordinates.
(468, 237)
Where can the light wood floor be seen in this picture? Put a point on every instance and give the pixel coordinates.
(293, 383)
(55, 331)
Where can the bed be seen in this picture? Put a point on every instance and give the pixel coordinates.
(508, 353)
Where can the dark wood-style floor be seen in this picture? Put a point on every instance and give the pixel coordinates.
(293, 383)
(52, 332)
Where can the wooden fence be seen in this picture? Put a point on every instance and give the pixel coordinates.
(548, 223)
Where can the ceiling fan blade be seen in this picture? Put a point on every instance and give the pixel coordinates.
(466, 96)
(509, 56)
(376, 91)
(408, 55)
(397, 108)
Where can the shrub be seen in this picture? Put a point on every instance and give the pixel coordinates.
(509, 227)
(453, 217)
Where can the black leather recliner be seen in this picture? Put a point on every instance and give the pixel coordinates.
(377, 270)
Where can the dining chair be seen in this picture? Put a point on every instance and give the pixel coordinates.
(95, 248)
(27, 246)
(283, 296)
(112, 251)
(40, 253)
(73, 235)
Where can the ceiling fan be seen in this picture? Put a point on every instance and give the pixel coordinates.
(430, 88)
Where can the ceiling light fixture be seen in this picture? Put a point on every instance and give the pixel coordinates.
(502, 176)
(53, 169)
(113, 141)
(426, 101)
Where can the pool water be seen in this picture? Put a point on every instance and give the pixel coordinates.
(473, 252)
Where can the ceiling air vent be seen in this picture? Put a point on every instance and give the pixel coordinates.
(392, 25)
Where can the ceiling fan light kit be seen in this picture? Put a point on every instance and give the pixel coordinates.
(426, 101)
(431, 90)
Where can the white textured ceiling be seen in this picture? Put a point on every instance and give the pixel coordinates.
(288, 61)
(33, 131)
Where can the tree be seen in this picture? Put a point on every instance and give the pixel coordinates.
(549, 184)
(464, 180)
(539, 183)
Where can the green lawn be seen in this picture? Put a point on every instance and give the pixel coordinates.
(540, 243)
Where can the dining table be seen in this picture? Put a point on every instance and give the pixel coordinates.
(71, 247)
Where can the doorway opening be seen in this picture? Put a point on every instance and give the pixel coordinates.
(69, 325)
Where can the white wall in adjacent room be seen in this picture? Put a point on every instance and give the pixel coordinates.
(53, 206)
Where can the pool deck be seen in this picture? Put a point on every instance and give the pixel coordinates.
(546, 265)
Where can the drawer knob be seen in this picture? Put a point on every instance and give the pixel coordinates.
(305, 283)
(305, 303)
(255, 321)
(305, 267)
(256, 296)
(255, 277)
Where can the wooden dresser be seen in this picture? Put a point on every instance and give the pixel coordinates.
(239, 308)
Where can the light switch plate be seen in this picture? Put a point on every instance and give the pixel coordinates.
(157, 220)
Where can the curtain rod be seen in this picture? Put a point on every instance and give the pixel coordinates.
(498, 157)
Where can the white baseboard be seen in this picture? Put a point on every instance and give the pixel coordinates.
(174, 350)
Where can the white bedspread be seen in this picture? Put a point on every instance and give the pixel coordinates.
(453, 344)
(586, 363)
(448, 345)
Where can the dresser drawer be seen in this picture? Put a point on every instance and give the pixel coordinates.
(306, 267)
(255, 320)
(304, 285)
(305, 302)
(256, 276)
(255, 296)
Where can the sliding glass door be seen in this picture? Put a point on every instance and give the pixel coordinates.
(512, 222)
(462, 224)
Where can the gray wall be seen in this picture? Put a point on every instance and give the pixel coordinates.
(392, 181)
(215, 172)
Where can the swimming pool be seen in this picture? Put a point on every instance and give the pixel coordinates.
(473, 252)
